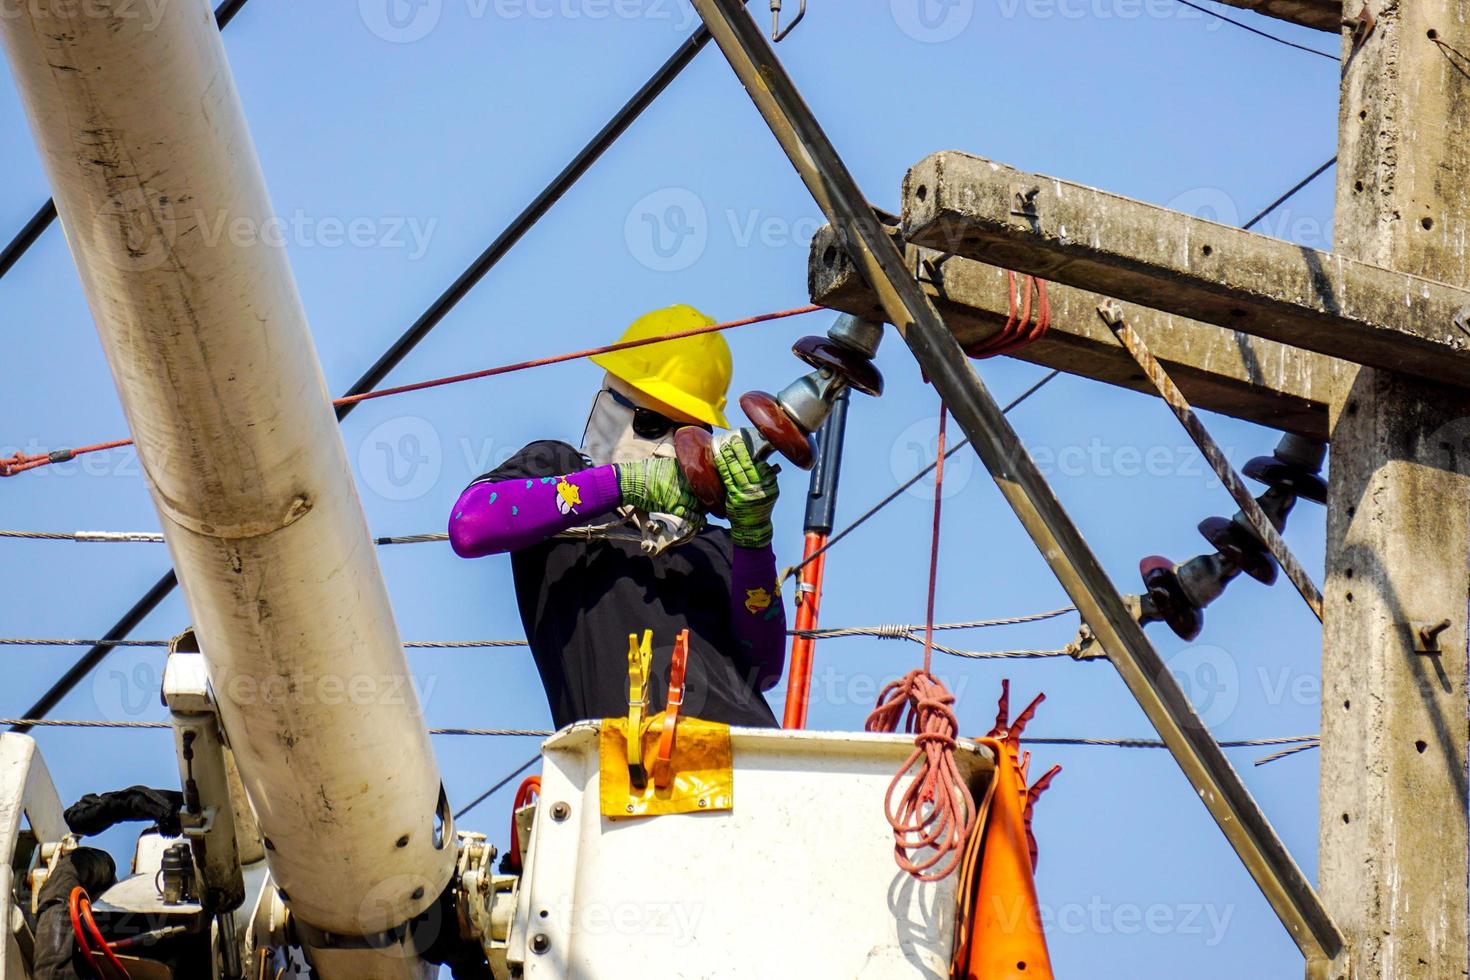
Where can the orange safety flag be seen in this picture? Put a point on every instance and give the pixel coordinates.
(999, 935)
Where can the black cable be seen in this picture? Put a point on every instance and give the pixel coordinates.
(1254, 30)
(1289, 194)
(873, 510)
(28, 235)
(533, 212)
(523, 223)
(226, 12)
(499, 786)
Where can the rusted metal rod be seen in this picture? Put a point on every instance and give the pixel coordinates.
(1265, 531)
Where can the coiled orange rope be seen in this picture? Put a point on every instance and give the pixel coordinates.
(936, 811)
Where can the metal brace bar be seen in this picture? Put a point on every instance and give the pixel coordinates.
(1022, 484)
(1112, 315)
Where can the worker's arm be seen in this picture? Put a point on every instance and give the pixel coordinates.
(492, 517)
(518, 505)
(758, 615)
(756, 612)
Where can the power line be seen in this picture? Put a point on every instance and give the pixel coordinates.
(431, 317)
(42, 219)
(1258, 31)
(889, 631)
(1298, 743)
(27, 236)
(24, 462)
(903, 487)
(499, 786)
(1289, 194)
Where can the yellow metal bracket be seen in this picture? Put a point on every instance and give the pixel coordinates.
(702, 767)
(640, 662)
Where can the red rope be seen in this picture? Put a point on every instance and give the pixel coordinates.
(529, 789)
(1020, 329)
(83, 924)
(20, 462)
(936, 812)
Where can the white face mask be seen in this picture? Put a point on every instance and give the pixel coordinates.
(609, 438)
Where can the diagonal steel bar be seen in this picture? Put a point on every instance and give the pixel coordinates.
(1018, 478)
(1112, 314)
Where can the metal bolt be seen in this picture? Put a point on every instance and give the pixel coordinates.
(703, 801)
(631, 808)
(560, 810)
(540, 943)
(1429, 635)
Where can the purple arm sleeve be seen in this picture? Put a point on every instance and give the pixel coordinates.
(757, 613)
(493, 518)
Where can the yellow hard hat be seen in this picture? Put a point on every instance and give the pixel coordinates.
(690, 374)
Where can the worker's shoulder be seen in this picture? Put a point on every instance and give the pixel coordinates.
(545, 457)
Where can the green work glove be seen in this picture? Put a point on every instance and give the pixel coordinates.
(657, 486)
(750, 492)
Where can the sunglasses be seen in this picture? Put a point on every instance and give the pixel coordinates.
(647, 424)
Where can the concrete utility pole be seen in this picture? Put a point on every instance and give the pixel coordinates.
(1368, 345)
(1393, 841)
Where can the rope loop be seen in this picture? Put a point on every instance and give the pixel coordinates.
(935, 812)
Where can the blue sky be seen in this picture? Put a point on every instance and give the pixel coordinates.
(395, 153)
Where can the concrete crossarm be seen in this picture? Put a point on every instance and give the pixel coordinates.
(1324, 15)
(1187, 266)
(1220, 370)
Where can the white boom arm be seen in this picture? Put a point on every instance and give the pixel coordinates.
(144, 140)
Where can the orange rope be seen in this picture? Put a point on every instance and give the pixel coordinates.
(20, 462)
(936, 811)
(529, 789)
(1020, 329)
(82, 924)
